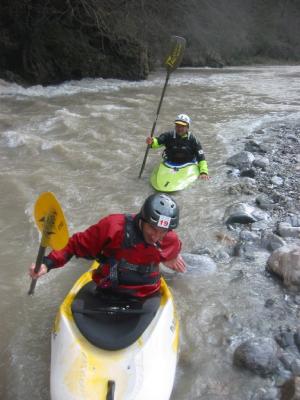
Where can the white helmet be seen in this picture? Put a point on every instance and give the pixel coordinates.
(183, 119)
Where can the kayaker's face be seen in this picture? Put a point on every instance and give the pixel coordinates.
(181, 130)
(153, 234)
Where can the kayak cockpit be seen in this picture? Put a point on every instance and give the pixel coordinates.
(112, 321)
(171, 164)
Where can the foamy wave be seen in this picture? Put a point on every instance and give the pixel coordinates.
(14, 139)
(64, 112)
(71, 88)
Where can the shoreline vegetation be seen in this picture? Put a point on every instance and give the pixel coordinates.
(49, 43)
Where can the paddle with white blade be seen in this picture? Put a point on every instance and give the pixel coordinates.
(51, 222)
(172, 61)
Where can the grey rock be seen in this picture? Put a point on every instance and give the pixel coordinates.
(246, 186)
(248, 172)
(201, 264)
(269, 303)
(295, 366)
(241, 160)
(259, 226)
(286, 230)
(235, 173)
(297, 338)
(291, 389)
(243, 213)
(222, 255)
(201, 251)
(266, 394)
(249, 236)
(260, 132)
(287, 359)
(285, 262)
(282, 376)
(277, 180)
(255, 147)
(246, 250)
(259, 355)
(264, 202)
(261, 162)
(286, 339)
(271, 241)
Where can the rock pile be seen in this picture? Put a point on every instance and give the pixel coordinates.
(268, 171)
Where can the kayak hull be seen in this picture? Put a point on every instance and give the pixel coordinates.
(142, 371)
(171, 177)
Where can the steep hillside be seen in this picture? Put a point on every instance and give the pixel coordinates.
(47, 42)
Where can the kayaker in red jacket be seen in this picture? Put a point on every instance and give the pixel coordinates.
(129, 248)
(181, 146)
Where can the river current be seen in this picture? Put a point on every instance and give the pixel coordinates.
(85, 142)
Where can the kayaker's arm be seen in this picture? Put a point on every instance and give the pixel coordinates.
(177, 264)
(155, 144)
(203, 170)
(153, 141)
(87, 244)
(200, 157)
(159, 141)
(47, 265)
(170, 252)
(42, 271)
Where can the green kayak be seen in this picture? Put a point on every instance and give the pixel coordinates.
(171, 177)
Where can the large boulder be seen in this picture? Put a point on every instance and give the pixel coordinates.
(200, 264)
(285, 262)
(290, 390)
(243, 213)
(242, 160)
(287, 230)
(259, 355)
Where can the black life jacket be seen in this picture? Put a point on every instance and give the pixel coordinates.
(179, 150)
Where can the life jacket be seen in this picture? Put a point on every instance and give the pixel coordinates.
(116, 273)
(179, 150)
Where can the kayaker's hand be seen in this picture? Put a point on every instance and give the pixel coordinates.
(43, 270)
(204, 177)
(177, 264)
(149, 140)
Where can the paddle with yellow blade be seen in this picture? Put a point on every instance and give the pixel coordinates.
(172, 61)
(51, 222)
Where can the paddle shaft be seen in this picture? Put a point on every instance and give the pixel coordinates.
(172, 61)
(155, 121)
(38, 263)
(48, 225)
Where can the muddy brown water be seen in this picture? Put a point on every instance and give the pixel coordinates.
(85, 141)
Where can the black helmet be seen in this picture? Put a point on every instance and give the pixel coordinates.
(160, 210)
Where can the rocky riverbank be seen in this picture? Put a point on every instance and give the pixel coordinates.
(265, 216)
(268, 171)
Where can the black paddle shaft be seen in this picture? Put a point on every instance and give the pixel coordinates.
(38, 263)
(154, 123)
(172, 61)
(49, 221)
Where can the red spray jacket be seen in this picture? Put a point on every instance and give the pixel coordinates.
(116, 238)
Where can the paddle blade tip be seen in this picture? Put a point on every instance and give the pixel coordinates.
(175, 53)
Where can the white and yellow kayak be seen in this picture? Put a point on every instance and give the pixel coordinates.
(112, 348)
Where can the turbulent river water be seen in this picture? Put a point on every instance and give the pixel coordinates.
(85, 142)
